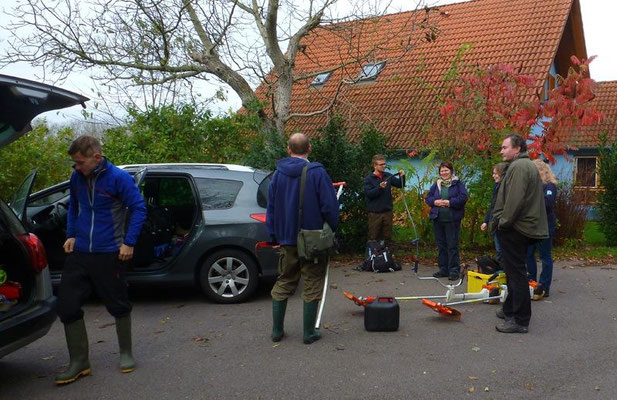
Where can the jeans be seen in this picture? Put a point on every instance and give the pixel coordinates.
(447, 238)
(497, 247)
(545, 249)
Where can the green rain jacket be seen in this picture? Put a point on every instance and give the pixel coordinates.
(520, 201)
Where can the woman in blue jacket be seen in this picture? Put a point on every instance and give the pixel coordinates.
(549, 186)
(447, 198)
(498, 172)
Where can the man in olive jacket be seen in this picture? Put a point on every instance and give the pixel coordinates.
(518, 219)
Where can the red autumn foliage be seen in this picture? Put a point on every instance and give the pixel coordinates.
(478, 110)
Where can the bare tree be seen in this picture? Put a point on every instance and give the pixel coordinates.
(171, 44)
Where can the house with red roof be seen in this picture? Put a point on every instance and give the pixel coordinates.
(389, 71)
(584, 161)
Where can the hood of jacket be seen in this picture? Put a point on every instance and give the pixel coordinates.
(292, 166)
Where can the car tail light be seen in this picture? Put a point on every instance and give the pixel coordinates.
(35, 249)
(259, 217)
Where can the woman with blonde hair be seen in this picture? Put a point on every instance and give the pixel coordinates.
(549, 186)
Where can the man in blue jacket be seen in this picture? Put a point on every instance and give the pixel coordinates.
(320, 204)
(98, 242)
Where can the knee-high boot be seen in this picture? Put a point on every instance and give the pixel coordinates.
(309, 315)
(278, 319)
(77, 343)
(123, 329)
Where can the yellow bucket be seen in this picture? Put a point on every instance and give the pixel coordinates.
(476, 280)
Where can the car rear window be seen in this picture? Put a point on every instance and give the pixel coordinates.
(217, 194)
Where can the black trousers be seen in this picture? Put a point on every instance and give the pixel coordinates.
(85, 272)
(447, 240)
(514, 253)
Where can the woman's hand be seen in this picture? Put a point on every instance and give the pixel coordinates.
(483, 226)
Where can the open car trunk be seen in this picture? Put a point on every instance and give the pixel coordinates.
(18, 291)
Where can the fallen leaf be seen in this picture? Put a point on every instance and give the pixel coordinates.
(597, 388)
(276, 345)
(486, 389)
(475, 348)
(48, 358)
(334, 286)
(340, 347)
(107, 325)
(473, 378)
(471, 389)
(158, 331)
(180, 305)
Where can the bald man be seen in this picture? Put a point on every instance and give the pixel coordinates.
(319, 205)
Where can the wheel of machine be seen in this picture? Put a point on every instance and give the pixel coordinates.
(228, 276)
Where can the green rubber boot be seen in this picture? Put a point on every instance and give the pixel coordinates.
(77, 343)
(123, 329)
(309, 315)
(278, 319)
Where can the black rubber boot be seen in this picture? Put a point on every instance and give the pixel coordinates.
(309, 315)
(77, 343)
(278, 319)
(123, 329)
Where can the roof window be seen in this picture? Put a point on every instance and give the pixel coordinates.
(370, 71)
(321, 79)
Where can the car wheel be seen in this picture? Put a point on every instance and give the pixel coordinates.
(228, 276)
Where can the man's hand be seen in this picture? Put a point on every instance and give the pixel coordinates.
(69, 245)
(401, 172)
(483, 226)
(126, 252)
(383, 184)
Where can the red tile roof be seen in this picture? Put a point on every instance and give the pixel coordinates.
(526, 33)
(606, 103)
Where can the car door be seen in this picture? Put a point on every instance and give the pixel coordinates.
(19, 200)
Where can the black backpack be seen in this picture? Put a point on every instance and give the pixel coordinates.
(488, 265)
(379, 258)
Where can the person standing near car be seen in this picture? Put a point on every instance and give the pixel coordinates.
(320, 204)
(378, 192)
(98, 243)
(518, 219)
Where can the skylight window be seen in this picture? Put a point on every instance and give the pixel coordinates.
(321, 79)
(370, 71)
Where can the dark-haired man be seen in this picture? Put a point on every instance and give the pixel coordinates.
(282, 223)
(518, 219)
(97, 245)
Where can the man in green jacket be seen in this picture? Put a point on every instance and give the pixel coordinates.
(518, 219)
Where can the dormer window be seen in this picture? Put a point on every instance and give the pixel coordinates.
(370, 71)
(321, 79)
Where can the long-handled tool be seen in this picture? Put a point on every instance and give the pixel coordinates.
(322, 302)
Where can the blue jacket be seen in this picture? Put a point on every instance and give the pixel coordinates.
(487, 218)
(98, 208)
(379, 200)
(457, 197)
(320, 202)
(550, 194)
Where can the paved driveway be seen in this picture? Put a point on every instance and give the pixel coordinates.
(188, 348)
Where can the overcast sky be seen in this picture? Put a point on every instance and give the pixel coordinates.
(599, 26)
